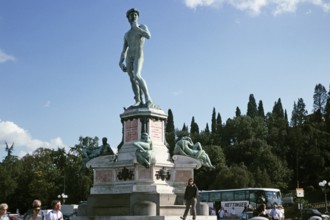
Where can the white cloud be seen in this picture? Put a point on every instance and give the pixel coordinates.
(252, 6)
(282, 6)
(5, 57)
(255, 7)
(23, 141)
(196, 3)
(323, 5)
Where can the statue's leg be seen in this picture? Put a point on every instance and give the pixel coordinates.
(143, 85)
(135, 85)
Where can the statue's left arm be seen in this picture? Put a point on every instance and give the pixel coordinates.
(144, 31)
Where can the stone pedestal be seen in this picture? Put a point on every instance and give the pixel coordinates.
(123, 187)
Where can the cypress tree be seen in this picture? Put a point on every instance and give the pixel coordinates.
(219, 123)
(252, 107)
(213, 122)
(278, 109)
(170, 131)
(184, 127)
(207, 129)
(194, 129)
(261, 112)
(183, 132)
(238, 112)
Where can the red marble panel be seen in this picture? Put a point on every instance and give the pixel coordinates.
(131, 130)
(103, 176)
(183, 175)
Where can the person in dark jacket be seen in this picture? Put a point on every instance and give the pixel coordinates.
(190, 196)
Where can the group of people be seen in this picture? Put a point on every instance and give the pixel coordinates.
(276, 213)
(224, 214)
(35, 212)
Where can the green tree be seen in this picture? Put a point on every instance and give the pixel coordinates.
(278, 130)
(238, 112)
(214, 122)
(218, 160)
(315, 154)
(252, 107)
(219, 124)
(170, 131)
(194, 129)
(236, 176)
(320, 98)
(262, 178)
(207, 129)
(183, 132)
(244, 127)
(327, 112)
(10, 170)
(278, 110)
(42, 177)
(299, 113)
(261, 111)
(218, 135)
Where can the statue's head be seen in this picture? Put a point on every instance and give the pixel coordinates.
(104, 140)
(129, 12)
(145, 137)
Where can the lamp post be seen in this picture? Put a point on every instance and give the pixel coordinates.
(63, 197)
(325, 187)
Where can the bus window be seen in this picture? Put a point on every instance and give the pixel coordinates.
(253, 198)
(227, 196)
(204, 197)
(214, 197)
(240, 195)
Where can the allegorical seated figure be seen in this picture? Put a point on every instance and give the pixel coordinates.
(105, 148)
(92, 152)
(144, 150)
(186, 147)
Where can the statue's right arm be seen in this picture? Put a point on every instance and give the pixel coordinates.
(123, 56)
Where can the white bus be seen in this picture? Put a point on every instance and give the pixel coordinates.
(240, 198)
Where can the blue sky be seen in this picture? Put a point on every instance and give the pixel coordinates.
(60, 77)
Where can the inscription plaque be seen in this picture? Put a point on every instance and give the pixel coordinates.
(156, 130)
(131, 130)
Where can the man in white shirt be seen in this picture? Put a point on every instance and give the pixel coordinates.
(56, 213)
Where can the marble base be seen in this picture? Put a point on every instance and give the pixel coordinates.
(124, 189)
